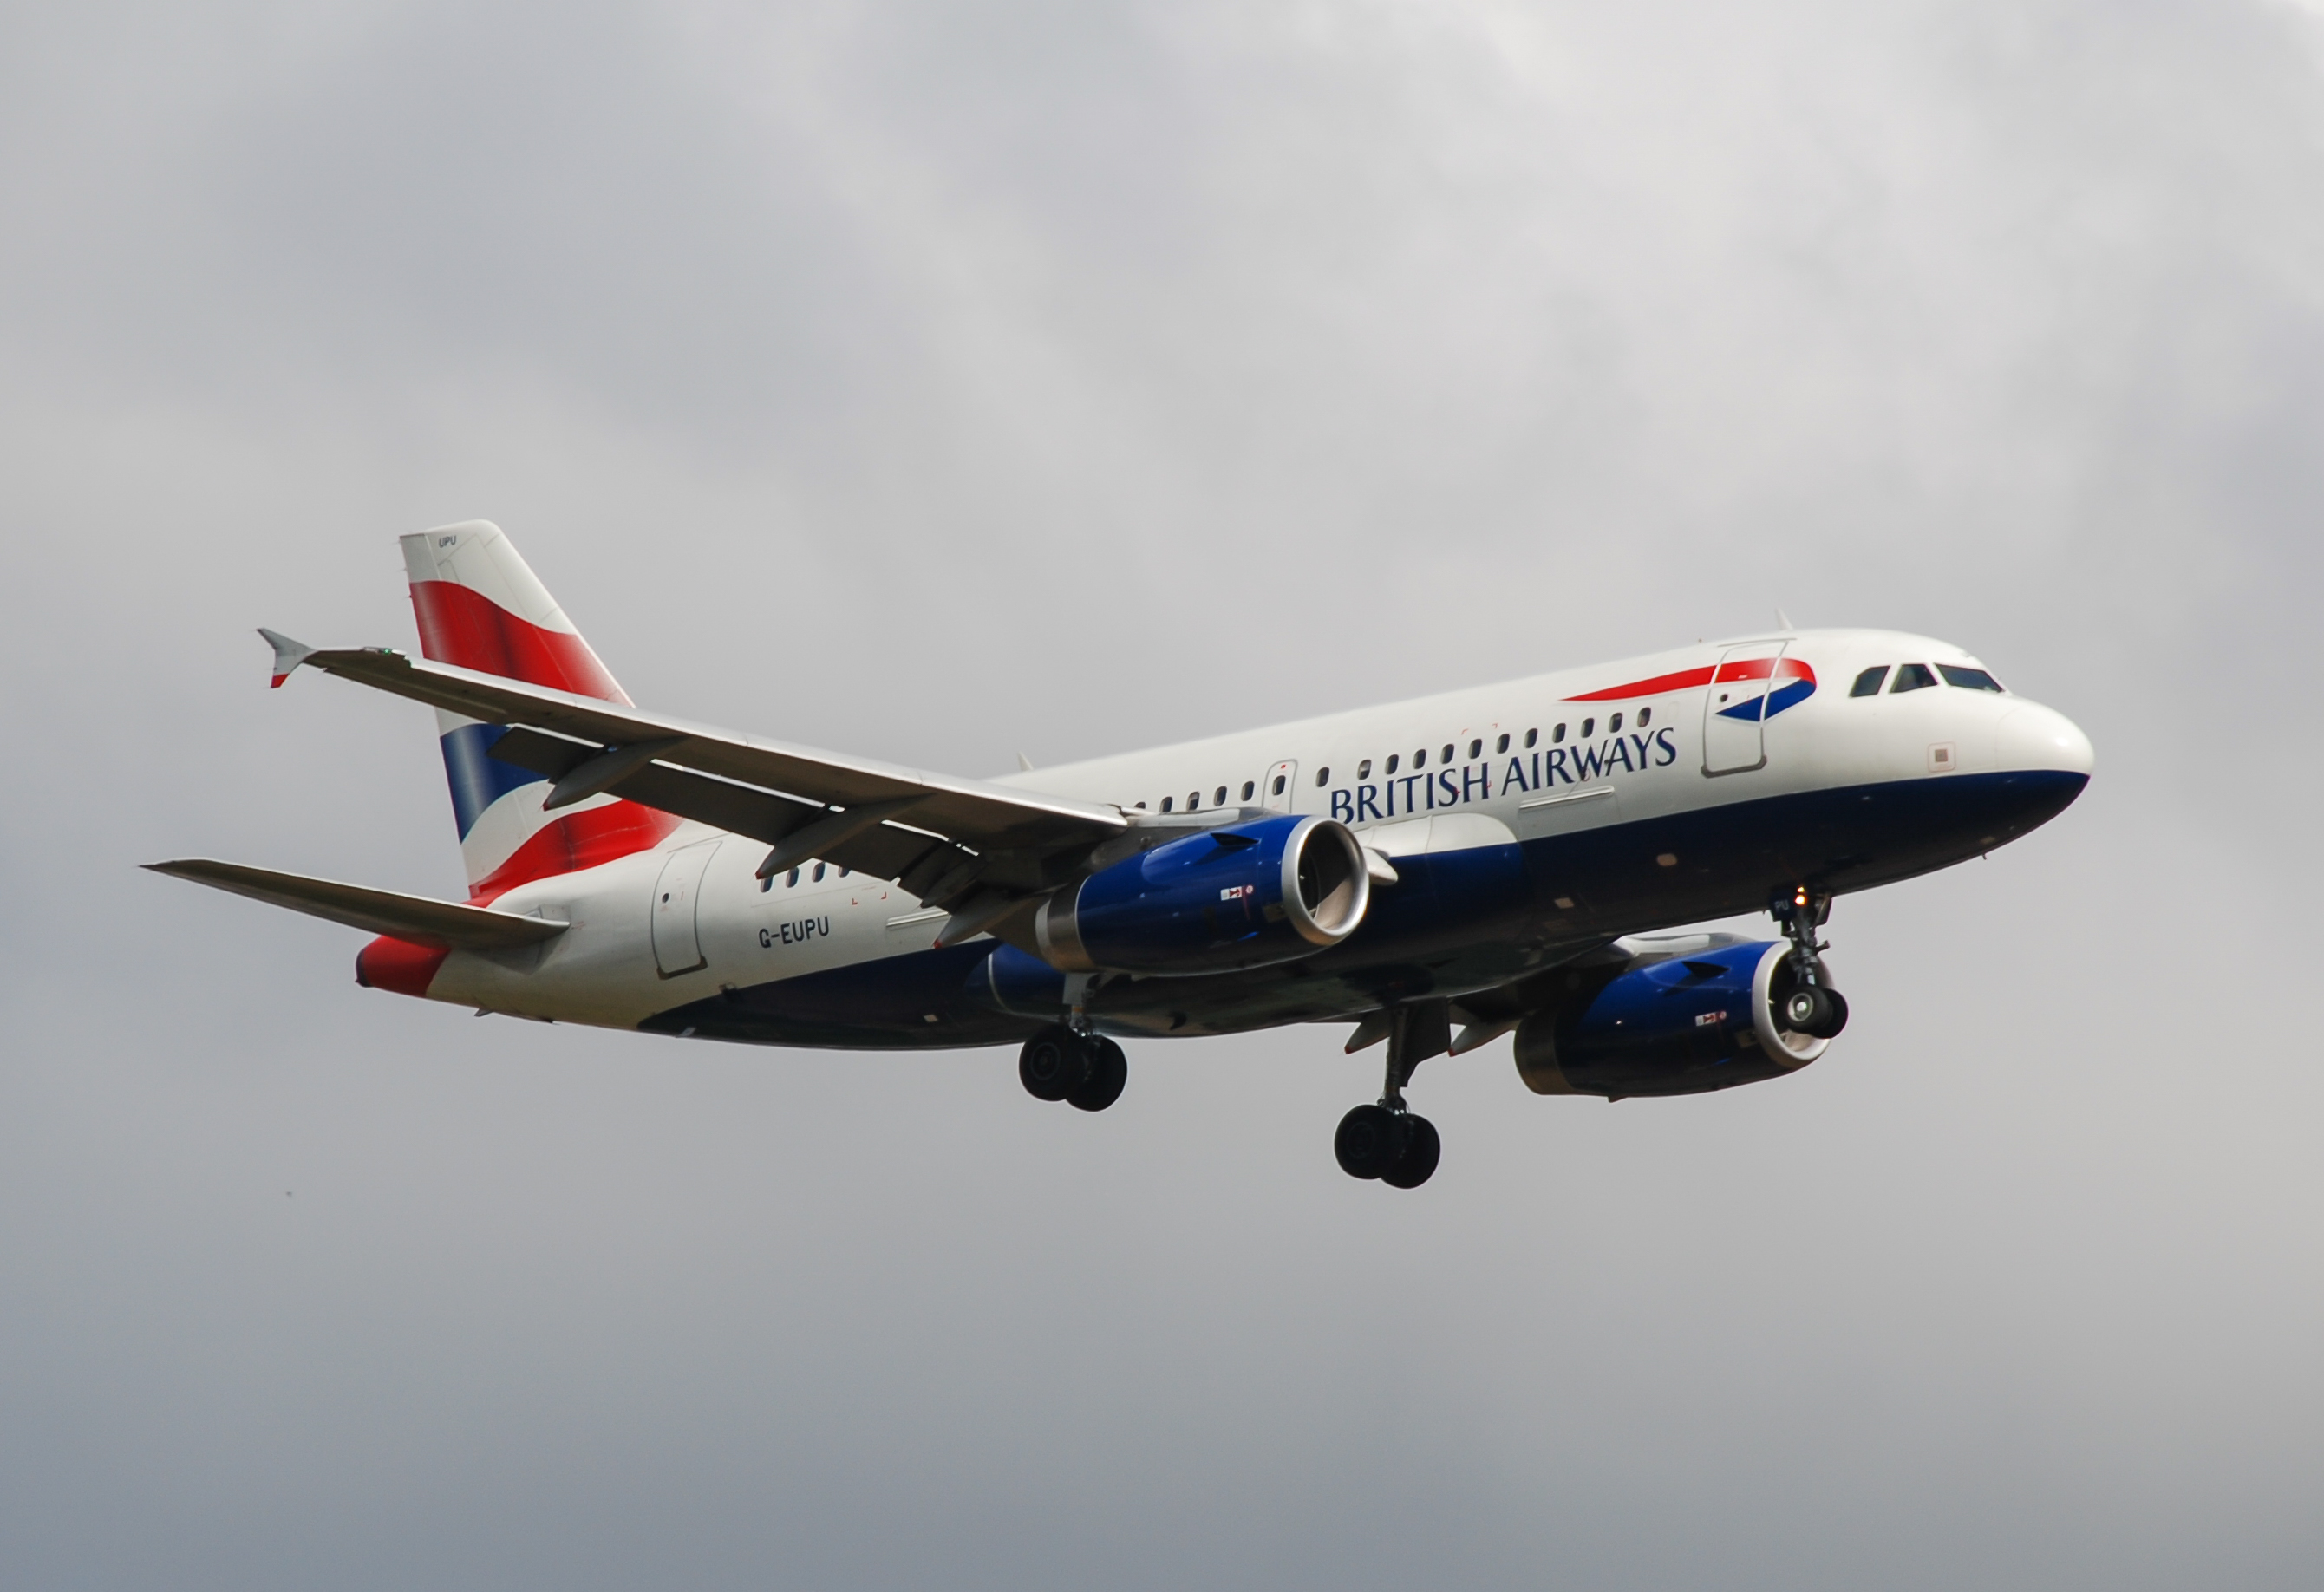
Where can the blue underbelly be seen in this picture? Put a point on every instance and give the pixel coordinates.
(1454, 922)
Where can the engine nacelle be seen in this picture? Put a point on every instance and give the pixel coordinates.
(1245, 895)
(1682, 1024)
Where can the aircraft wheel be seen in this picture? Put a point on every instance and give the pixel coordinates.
(1422, 1148)
(1814, 1011)
(1838, 1015)
(1367, 1141)
(1108, 1071)
(1051, 1062)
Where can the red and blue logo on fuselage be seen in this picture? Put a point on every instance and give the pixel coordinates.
(1791, 682)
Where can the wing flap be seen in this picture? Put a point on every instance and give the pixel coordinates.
(419, 919)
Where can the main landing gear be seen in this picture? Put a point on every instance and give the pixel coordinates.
(1387, 1141)
(1085, 1070)
(1812, 1006)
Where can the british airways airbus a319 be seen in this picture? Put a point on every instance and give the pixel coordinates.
(1509, 860)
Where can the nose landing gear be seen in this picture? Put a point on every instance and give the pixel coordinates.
(1086, 1071)
(1812, 1006)
(1387, 1141)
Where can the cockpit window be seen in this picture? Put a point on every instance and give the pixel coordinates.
(1912, 676)
(1968, 679)
(1867, 684)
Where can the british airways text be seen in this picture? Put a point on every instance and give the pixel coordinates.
(1427, 790)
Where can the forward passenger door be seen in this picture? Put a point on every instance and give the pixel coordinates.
(1734, 734)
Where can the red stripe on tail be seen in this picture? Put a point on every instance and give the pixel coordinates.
(586, 839)
(468, 631)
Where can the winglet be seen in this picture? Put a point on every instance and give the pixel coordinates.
(288, 654)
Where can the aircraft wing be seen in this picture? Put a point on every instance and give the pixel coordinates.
(419, 919)
(937, 835)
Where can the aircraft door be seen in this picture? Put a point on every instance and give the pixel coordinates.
(1734, 734)
(1279, 788)
(678, 894)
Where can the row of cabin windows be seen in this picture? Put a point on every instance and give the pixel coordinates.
(1419, 760)
(1916, 676)
(1910, 676)
(1218, 796)
(792, 878)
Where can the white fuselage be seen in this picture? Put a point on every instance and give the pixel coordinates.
(1528, 762)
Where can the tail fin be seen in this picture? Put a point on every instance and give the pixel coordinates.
(480, 607)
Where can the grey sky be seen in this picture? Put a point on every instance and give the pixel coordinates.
(932, 382)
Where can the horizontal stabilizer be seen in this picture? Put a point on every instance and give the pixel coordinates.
(419, 919)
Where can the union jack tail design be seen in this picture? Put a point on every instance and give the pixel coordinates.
(481, 607)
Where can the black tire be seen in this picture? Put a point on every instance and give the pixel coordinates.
(1422, 1149)
(1108, 1072)
(1838, 1015)
(1368, 1141)
(1051, 1064)
(1808, 1010)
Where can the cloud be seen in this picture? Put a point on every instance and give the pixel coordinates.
(932, 381)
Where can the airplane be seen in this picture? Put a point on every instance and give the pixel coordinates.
(1520, 859)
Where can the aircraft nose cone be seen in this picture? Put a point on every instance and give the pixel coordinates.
(2030, 736)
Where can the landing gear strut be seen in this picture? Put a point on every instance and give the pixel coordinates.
(1085, 1070)
(1388, 1141)
(1812, 1006)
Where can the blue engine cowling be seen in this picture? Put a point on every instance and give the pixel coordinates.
(1678, 1024)
(1244, 896)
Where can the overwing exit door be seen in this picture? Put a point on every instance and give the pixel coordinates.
(1734, 728)
(1278, 794)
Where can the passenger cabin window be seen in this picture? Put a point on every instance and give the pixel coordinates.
(1867, 684)
(1589, 728)
(1532, 736)
(1248, 787)
(1194, 801)
(1475, 747)
(1392, 760)
(1614, 725)
(1448, 753)
(1500, 746)
(1912, 676)
(1420, 758)
(1220, 798)
(1646, 717)
(1166, 801)
(1557, 735)
(1968, 679)
(818, 873)
(1323, 777)
(1364, 769)
(792, 880)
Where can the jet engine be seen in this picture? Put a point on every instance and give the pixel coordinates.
(1244, 896)
(1680, 1024)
